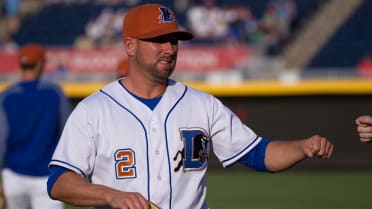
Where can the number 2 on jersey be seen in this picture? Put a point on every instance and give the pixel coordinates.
(125, 164)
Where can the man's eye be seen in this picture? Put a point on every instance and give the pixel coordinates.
(162, 40)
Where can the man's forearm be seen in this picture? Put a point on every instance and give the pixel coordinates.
(281, 155)
(71, 188)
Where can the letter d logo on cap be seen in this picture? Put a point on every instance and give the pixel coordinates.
(166, 15)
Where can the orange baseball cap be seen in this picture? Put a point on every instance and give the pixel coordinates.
(31, 54)
(152, 20)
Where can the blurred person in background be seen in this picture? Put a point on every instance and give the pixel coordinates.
(32, 115)
(276, 24)
(122, 68)
(105, 30)
(243, 26)
(207, 20)
(364, 128)
(12, 14)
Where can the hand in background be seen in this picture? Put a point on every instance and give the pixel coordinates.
(364, 128)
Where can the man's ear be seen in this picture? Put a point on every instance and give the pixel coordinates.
(130, 45)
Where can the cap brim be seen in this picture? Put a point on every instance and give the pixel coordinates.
(180, 34)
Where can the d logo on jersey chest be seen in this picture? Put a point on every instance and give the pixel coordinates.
(194, 155)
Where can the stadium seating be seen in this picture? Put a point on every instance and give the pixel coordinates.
(57, 24)
(60, 25)
(349, 44)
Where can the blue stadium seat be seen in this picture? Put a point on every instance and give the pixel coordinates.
(350, 43)
(56, 25)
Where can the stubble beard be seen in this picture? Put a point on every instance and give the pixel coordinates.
(161, 73)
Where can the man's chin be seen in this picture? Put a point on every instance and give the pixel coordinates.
(164, 74)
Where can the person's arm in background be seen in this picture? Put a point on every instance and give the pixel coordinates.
(364, 128)
(281, 155)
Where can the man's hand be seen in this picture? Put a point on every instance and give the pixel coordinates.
(364, 128)
(126, 200)
(317, 146)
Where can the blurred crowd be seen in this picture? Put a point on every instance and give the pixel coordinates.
(104, 2)
(104, 31)
(211, 21)
(238, 24)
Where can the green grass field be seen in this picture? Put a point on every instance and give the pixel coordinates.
(288, 190)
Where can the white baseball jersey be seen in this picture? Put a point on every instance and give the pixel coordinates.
(161, 153)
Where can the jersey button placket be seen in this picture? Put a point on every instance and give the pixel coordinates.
(156, 140)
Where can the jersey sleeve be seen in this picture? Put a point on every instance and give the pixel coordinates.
(76, 148)
(231, 138)
(255, 158)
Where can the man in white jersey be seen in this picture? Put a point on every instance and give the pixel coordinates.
(146, 138)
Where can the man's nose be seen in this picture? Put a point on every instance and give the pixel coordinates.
(170, 46)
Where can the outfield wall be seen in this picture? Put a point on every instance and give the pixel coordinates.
(291, 117)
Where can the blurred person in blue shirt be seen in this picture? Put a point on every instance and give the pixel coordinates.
(32, 115)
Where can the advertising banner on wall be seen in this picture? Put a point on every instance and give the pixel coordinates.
(190, 58)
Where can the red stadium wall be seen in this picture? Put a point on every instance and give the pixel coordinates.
(190, 58)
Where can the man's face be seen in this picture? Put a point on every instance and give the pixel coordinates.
(157, 56)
